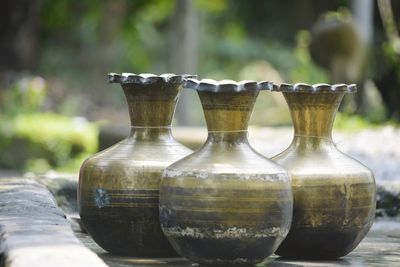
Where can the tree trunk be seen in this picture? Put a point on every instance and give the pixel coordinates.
(363, 12)
(183, 53)
(18, 35)
(388, 82)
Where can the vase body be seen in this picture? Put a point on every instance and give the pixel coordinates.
(334, 195)
(225, 203)
(119, 187)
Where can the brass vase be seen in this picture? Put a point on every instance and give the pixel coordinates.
(225, 203)
(119, 187)
(334, 195)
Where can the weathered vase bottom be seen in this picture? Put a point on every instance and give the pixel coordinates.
(321, 243)
(124, 236)
(228, 252)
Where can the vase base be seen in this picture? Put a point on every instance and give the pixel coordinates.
(321, 243)
(126, 237)
(225, 251)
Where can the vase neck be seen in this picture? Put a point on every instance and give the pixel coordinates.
(227, 112)
(308, 143)
(228, 138)
(151, 105)
(313, 114)
(150, 133)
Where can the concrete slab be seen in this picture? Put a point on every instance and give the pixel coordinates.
(35, 232)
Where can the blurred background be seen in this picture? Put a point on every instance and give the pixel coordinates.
(56, 106)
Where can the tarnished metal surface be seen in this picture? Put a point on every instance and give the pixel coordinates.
(226, 203)
(334, 195)
(119, 187)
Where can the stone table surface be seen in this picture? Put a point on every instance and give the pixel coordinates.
(25, 204)
(380, 248)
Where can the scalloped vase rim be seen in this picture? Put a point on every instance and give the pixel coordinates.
(226, 85)
(147, 78)
(190, 81)
(315, 88)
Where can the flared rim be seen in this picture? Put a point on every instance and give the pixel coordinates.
(147, 78)
(315, 88)
(210, 85)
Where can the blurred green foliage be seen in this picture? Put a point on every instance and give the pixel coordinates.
(354, 123)
(133, 36)
(306, 70)
(38, 141)
(351, 123)
(80, 41)
(24, 96)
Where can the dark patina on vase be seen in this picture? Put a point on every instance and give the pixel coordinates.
(334, 195)
(225, 203)
(118, 190)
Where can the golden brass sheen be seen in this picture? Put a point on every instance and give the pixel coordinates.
(225, 203)
(334, 195)
(119, 187)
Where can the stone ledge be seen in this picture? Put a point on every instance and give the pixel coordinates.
(63, 187)
(34, 231)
